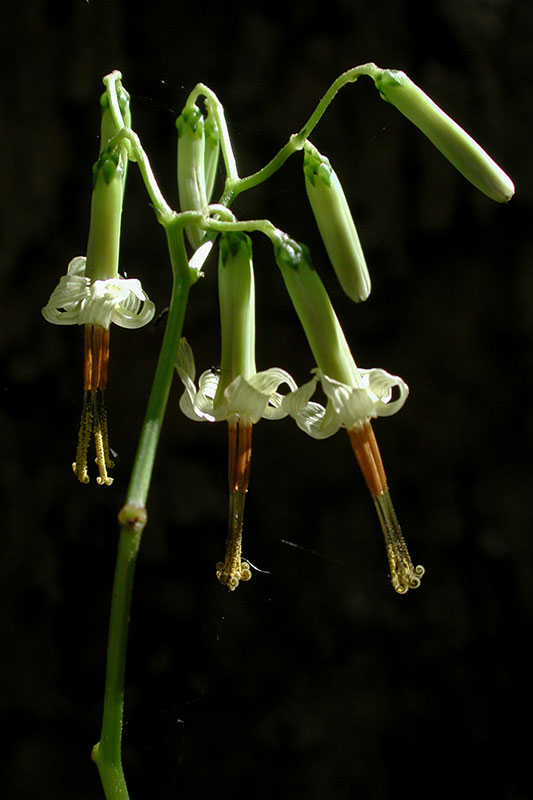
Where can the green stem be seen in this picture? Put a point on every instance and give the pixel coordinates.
(183, 280)
(107, 753)
(217, 109)
(296, 142)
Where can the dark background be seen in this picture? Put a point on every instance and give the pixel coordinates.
(315, 680)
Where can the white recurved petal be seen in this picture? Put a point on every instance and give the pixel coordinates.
(311, 417)
(347, 406)
(249, 399)
(381, 385)
(267, 382)
(78, 301)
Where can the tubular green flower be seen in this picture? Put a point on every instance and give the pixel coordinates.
(335, 223)
(236, 392)
(93, 294)
(459, 147)
(354, 397)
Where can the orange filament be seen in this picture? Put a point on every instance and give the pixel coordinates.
(368, 457)
(96, 358)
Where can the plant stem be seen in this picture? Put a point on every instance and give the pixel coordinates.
(235, 186)
(107, 753)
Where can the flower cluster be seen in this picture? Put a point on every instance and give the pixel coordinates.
(95, 295)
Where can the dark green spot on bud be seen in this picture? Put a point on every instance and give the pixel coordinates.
(191, 119)
(107, 166)
(316, 166)
(289, 253)
(231, 243)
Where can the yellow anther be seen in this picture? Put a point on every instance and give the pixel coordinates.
(79, 467)
(101, 440)
(93, 421)
(404, 575)
(233, 569)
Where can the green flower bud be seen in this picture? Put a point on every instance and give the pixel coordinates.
(335, 224)
(212, 150)
(313, 306)
(237, 310)
(191, 167)
(459, 148)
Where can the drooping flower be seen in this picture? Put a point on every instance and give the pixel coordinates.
(236, 392)
(77, 300)
(354, 397)
(93, 294)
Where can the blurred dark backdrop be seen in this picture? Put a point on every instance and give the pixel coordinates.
(314, 680)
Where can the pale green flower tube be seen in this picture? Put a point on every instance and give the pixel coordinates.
(460, 149)
(335, 223)
(313, 306)
(236, 290)
(191, 167)
(109, 178)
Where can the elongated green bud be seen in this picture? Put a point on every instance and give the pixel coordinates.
(237, 310)
(335, 224)
(191, 167)
(109, 177)
(459, 148)
(313, 306)
(212, 151)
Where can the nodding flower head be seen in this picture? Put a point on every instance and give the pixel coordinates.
(93, 294)
(354, 397)
(236, 392)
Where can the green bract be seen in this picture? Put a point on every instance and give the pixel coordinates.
(459, 148)
(335, 223)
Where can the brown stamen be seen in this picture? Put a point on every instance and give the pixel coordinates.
(233, 570)
(94, 414)
(404, 575)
